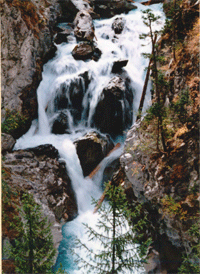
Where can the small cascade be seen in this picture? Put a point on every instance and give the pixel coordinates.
(69, 95)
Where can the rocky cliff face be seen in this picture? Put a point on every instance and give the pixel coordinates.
(167, 183)
(39, 172)
(27, 32)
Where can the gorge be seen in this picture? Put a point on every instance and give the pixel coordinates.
(87, 99)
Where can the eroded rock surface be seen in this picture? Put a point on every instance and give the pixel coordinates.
(7, 143)
(39, 172)
(91, 150)
(118, 25)
(84, 28)
(107, 9)
(152, 177)
(26, 41)
(113, 112)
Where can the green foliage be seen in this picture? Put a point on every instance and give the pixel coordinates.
(118, 237)
(180, 106)
(191, 261)
(149, 17)
(173, 208)
(33, 250)
(154, 111)
(13, 121)
(60, 270)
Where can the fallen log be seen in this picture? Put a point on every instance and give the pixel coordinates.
(101, 199)
(91, 175)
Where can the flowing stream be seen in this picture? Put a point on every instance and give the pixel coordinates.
(58, 75)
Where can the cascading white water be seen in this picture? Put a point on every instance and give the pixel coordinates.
(58, 74)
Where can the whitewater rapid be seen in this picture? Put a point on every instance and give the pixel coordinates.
(57, 75)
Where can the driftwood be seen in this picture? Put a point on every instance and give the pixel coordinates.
(91, 175)
(101, 199)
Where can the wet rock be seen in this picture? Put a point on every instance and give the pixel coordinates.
(108, 9)
(27, 38)
(69, 10)
(61, 124)
(96, 54)
(91, 150)
(113, 112)
(110, 170)
(83, 51)
(47, 179)
(62, 37)
(118, 25)
(47, 150)
(118, 65)
(7, 142)
(70, 95)
(84, 28)
(71, 7)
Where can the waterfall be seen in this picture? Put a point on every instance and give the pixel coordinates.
(63, 76)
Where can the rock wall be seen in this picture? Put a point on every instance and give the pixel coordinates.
(167, 183)
(39, 172)
(27, 33)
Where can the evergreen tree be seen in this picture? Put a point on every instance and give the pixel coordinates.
(148, 19)
(32, 250)
(120, 251)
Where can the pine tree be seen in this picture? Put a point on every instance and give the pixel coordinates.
(148, 19)
(32, 250)
(118, 237)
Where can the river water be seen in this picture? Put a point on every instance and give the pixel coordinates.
(58, 74)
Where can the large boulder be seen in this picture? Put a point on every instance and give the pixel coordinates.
(91, 150)
(38, 171)
(84, 28)
(83, 51)
(7, 142)
(71, 7)
(61, 123)
(42, 150)
(70, 95)
(108, 9)
(113, 112)
(62, 36)
(118, 65)
(118, 25)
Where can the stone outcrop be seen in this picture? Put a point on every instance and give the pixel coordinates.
(83, 51)
(107, 9)
(118, 65)
(26, 41)
(61, 124)
(152, 177)
(84, 28)
(91, 150)
(62, 35)
(118, 25)
(113, 112)
(7, 143)
(70, 95)
(39, 172)
(71, 7)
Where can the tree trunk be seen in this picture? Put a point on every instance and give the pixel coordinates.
(145, 85)
(30, 244)
(113, 249)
